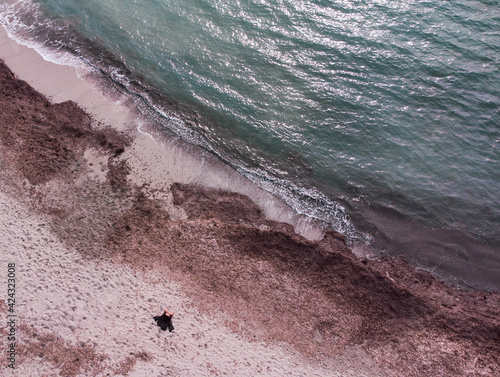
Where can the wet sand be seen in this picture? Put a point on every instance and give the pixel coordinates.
(108, 223)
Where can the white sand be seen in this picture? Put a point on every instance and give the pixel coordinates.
(112, 306)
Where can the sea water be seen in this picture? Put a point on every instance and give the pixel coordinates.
(379, 118)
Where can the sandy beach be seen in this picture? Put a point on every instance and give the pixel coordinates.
(106, 222)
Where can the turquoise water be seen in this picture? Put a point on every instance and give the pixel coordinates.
(380, 118)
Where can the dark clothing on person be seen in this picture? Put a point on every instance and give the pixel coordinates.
(164, 321)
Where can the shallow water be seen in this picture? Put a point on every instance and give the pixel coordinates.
(379, 118)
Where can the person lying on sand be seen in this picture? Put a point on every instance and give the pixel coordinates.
(165, 320)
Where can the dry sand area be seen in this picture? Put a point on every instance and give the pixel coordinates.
(107, 223)
(93, 317)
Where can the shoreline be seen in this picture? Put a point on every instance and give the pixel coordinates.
(101, 200)
(160, 159)
(450, 254)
